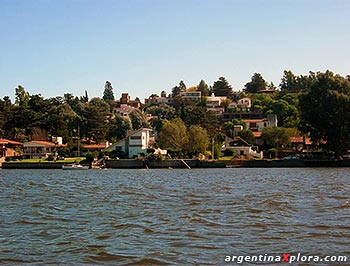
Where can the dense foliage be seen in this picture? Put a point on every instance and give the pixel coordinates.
(316, 105)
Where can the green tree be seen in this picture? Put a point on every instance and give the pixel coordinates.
(256, 84)
(119, 127)
(174, 135)
(195, 115)
(275, 137)
(203, 88)
(325, 112)
(138, 119)
(221, 87)
(163, 111)
(85, 98)
(61, 120)
(95, 118)
(247, 135)
(176, 91)
(228, 126)
(289, 82)
(22, 96)
(198, 139)
(5, 106)
(108, 94)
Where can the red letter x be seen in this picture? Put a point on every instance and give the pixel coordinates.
(286, 257)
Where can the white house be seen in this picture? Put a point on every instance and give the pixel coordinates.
(192, 95)
(241, 148)
(244, 103)
(259, 124)
(218, 111)
(124, 110)
(164, 100)
(39, 149)
(135, 143)
(213, 101)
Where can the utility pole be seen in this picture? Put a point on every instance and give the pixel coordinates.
(212, 148)
(78, 141)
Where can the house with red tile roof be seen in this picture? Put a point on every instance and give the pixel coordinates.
(10, 148)
(95, 147)
(39, 149)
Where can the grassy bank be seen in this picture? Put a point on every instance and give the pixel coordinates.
(66, 160)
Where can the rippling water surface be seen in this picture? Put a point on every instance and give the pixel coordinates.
(170, 217)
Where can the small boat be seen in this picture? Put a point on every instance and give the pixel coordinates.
(75, 166)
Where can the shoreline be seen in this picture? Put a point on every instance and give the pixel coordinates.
(187, 164)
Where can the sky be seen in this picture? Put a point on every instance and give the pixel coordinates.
(143, 47)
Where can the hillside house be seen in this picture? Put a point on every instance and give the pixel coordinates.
(194, 96)
(243, 104)
(136, 143)
(213, 101)
(260, 124)
(125, 100)
(161, 100)
(123, 110)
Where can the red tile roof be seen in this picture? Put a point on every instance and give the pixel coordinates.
(296, 139)
(253, 120)
(94, 146)
(46, 143)
(257, 134)
(7, 141)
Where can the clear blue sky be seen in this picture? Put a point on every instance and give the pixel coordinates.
(146, 46)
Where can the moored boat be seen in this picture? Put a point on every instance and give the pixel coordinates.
(75, 166)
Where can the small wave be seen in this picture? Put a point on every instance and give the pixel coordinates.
(27, 222)
(259, 225)
(252, 210)
(96, 246)
(131, 225)
(208, 222)
(55, 208)
(320, 226)
(196, 236)
(148, 231)
(180, 243)
(103, 237)
(272, 238)
(317, 235)
(16, 260)
(55, 218)
(193, 203)
(105, 256)
(149, 262)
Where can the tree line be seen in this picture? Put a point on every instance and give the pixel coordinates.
(316, 105)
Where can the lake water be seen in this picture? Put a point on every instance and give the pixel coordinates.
(171, 217)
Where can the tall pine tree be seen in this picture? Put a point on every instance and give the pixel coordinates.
(108, 94)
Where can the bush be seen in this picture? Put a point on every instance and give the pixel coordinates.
(90, 157)
(228, 152)
(272, 153)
